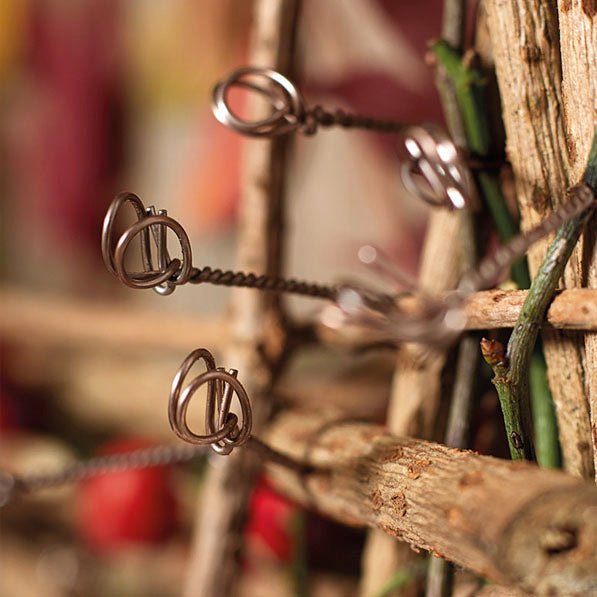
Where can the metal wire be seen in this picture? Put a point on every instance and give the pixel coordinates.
(435, 171)
(580, 198)
(289, 111)
(224, 431)
(162, 273)
(79, 471)
(434, 320)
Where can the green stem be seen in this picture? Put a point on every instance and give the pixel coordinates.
(512, 370)
(544, 416)
(475, 117)
(469, 86)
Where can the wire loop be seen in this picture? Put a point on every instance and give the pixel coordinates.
(287, 104)
(223, 429)
(446, 180)
(162, 274)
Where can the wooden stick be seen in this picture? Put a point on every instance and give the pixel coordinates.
(27, 317)
(525, 44)
(257, 333)
(578, 41)
(512, 523)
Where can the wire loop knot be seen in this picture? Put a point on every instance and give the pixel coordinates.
(286, 102)
(223, 429)
(160, 272)
(447, 181)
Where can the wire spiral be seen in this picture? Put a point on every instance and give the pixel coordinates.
(162, 273)
(223, 429)
(289, 111)
(446, 180)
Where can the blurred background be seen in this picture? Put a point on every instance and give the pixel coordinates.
(99, 96)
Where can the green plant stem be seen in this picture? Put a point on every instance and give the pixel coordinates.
(474, 115)
(512, 370)
(544, 417)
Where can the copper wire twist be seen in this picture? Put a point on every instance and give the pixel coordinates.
(580, 198)
(289, 111)
(162, 273)
(446, 179)
(436, 320)
(223, 429)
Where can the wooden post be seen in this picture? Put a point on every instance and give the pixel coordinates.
(257, 335)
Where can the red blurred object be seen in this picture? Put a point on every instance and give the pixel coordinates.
(122, 508)
(271, 521)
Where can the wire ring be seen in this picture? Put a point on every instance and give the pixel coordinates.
(168, 273)
(223, 432)
(288, 106)
(433, 154)
(176, 272)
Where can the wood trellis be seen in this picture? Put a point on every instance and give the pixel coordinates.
(548, 132)
(514, 524)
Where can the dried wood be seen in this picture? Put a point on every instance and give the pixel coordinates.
(31, 318)
(525, 40)
(416, 389)
(256, 328)
(578, 43)
(512, 523)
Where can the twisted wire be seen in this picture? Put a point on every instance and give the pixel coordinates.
(319, 116)
(101, 465)
(580, 199)
(261, 282)
(437, 321)
(163, 274)
(288, 108)
(223, 429)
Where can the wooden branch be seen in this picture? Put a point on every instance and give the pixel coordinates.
(53, 320)
(512, 523)
(525, 45)
(256, 321)
(578, 41)
(570, 310)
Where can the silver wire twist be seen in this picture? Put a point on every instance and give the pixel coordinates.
(164, 275)
(224, 432)
(167, 273)
(435, 320)
(289, 111)
(446, 179)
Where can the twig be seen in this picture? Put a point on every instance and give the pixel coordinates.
(441, 573)
(256, 321)
(470, 84)
(511, 369)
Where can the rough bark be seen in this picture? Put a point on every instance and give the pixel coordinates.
(512, 523)
(415, 391)
(578, 43)
(256, 330)
(525, 40)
